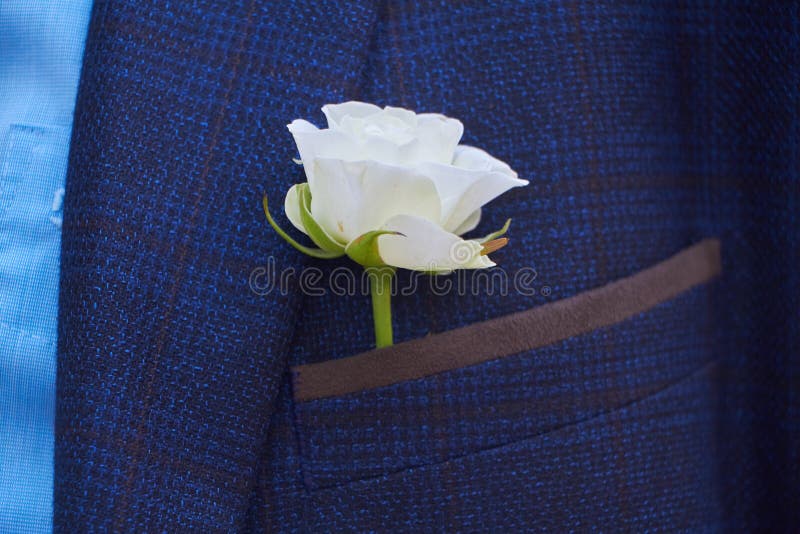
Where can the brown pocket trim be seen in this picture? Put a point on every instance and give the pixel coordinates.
(514, 333)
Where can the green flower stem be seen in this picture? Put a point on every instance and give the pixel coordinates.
(380, 286)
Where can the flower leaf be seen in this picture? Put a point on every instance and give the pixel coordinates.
(364, 249)
(494, 235)
(317, 233)
(313, 252)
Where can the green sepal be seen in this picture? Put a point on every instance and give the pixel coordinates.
(317, 234)
(313, 252)
(364, 249)
(494, 235)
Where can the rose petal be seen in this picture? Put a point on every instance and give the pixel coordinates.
(462, 191)
(408, 117)
(437, 137)
(351, 198)
(469, 157)
(482, 191)
(469, 223)
(291, 206)
(313, 143)
(474, 179)
(382, 126)
(334, 113)
(424, 246)
(335, 198)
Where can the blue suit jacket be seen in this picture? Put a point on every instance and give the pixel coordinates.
(643, 128)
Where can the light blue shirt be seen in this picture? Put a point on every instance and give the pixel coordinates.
(41, 45)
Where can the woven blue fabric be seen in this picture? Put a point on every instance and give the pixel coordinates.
(643, 127)
(41, 43)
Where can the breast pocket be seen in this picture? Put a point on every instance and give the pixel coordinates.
(387, 413)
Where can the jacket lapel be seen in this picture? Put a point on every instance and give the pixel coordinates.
(168, 361)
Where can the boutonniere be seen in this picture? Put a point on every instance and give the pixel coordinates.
(390, 188)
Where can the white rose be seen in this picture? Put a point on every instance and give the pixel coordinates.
(392, 170)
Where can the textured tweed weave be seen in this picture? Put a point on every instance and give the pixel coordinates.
(168, 364)
(454, 413)
(630, 470)
(643, 127)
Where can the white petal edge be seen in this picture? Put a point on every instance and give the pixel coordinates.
(407, 116)
(481, 192)
(334, 113)
(313, 143)
(291, 205)
(424, 246)
(462, 191)
(475, 159)
(438, 137)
